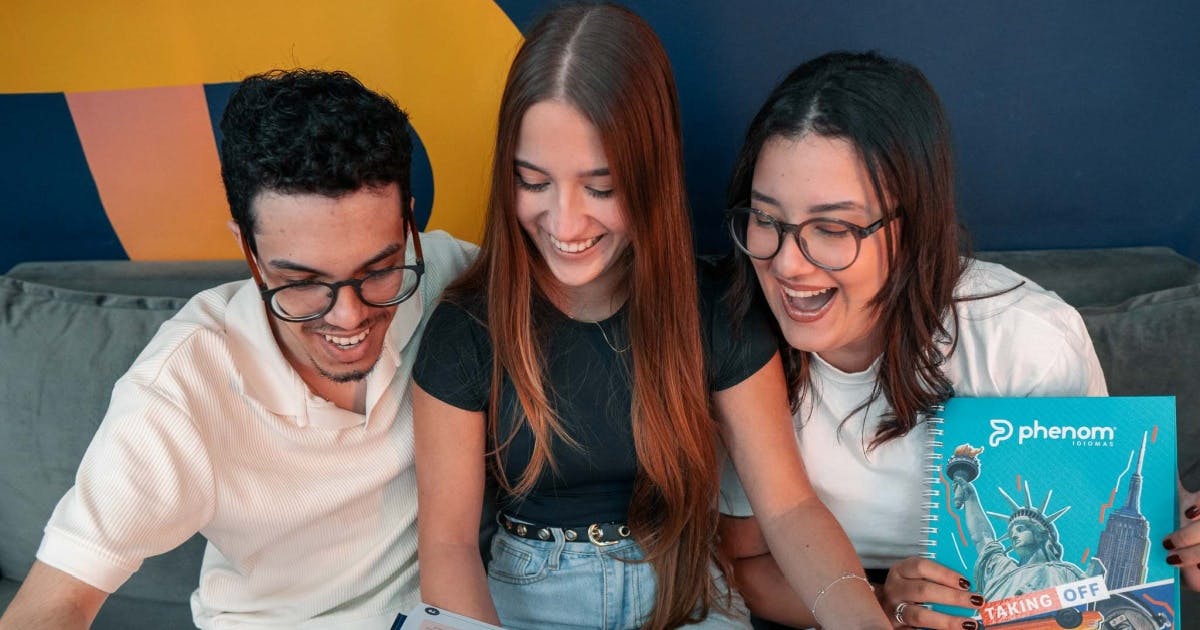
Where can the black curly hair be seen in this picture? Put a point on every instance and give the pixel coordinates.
(309, 131)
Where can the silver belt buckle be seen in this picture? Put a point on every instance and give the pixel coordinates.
(594, 534)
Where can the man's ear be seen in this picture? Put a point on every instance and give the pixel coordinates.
(237, 236)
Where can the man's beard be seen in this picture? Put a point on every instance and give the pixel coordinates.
(345, 377)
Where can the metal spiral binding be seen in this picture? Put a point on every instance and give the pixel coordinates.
(931, 468)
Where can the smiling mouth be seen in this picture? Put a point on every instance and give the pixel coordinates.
(808, 301)
(347, 342)
(573, 247)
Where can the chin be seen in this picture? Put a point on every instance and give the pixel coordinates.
(346, 372)
(803, 337)
(803, 343)
(572, 278)
(348, 376)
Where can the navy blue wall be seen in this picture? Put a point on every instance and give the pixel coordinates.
(1077, 124)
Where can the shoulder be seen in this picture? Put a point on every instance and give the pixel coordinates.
(454, 359)
(183, 380)
(736, 346)
(1014, 337)
(992, 293)
(457, 326)
(193, 339)
(712, 283)
(445, 259)
(461, 313)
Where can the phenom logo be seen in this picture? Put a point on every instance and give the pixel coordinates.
(1003, 429)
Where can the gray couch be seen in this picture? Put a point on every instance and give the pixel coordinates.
(69, 330)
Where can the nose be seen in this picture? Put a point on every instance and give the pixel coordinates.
(790, 261)
(568, 216)
(348, 311)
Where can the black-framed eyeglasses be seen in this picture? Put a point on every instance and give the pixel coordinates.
(313, 299)
(831, 244)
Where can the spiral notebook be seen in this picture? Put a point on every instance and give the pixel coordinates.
(1056, 508)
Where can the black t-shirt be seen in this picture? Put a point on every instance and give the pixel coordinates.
(589, 386)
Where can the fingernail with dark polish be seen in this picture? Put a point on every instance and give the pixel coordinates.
(970, 625)
(977, 600)
(963, 583)
(1167, 544)
(1173, 559)
(1192, 512)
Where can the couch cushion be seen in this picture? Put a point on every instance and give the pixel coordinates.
(160, 278)
(1150, 345)
(62, 351)
(8, 590)
(1096, 277)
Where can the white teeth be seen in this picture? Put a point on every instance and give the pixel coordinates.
(804, 294)
(346, 342)
(573, 247)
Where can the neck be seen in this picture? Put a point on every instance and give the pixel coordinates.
(857, 355)
(1037, 556)
(851, 360)
(351, 396)
(592, 303)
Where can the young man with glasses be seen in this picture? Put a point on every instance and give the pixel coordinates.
(273, 415)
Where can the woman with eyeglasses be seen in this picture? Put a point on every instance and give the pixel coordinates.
(582, 367)
(845, 226)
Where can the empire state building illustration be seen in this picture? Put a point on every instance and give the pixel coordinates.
(1125, 541)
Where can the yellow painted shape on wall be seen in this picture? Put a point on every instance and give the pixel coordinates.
(444, 62)
(152, 156)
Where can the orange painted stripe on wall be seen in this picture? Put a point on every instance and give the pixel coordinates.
(154, 160)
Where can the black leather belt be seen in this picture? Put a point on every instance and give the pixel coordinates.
(599, 534)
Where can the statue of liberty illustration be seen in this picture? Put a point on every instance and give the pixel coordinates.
(1035, 559)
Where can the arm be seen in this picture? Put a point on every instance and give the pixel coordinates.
(808, 543)
(145, 485)
(757, 576)
(450, 446)
(50, 598)
(763, 585)
(978, 525)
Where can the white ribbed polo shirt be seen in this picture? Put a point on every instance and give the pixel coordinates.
(310, 510)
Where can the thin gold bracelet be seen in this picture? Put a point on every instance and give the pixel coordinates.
(845, 576)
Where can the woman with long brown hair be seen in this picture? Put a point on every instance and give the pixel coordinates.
(845, 227)
(572, 366)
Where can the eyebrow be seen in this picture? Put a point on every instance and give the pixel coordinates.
(818, 208)
(288, 265)
(603, 171)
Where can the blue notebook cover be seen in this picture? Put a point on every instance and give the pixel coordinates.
(1056, 508)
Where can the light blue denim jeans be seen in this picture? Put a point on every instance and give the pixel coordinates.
(546, 585)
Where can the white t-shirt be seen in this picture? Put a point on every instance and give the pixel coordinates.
(1026, 342)
(309, 509)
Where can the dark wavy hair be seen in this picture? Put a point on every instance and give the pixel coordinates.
(309, 131)
(890, 113)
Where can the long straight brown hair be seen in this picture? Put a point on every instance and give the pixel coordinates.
(890, 113)
(607, 63)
